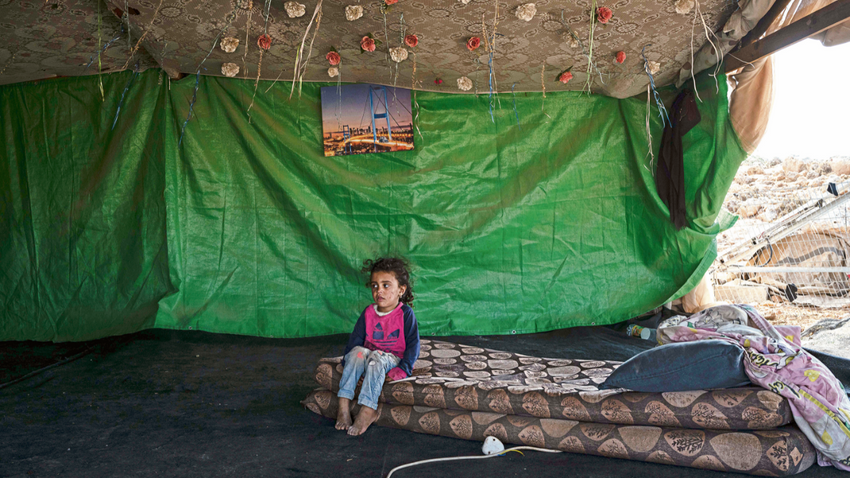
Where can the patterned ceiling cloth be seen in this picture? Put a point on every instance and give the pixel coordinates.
(59, 38)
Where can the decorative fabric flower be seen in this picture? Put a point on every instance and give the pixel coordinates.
(438, 81)
(229, 44)
(654, 67)
(390, 2)
(333, 72)
(295, 9)
(333, 58)
(526, 12)
(229, 69)
(411, 40)
(464, 83)
(367, 43)
(398, 54)
(684, 7)
(245, 4)
(472, 44)
(353, 12)
(620, 57)
(264, 42)
(565, 77)
(573, 41)
(603, 14)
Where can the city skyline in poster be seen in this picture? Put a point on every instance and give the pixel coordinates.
(348, 114)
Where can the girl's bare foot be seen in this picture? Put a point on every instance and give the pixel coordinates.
(343, 416)
(365, 417)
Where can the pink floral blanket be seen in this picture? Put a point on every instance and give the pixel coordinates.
(775, 359)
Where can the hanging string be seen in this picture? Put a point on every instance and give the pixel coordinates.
(266, 8)
(490, 47)
(299, 67)
(139, 42)
(543, 87)
(651, 168)
(718, 57)
(230, 17)
(99, 65)
(105, 47)
(401, 45)
(582, 47)
(126, 16)
(247, 32)
(516, 113)
(588, 82)
(126, 87)
(384, 7)
(191, 106)
(8, 62)
(415, 103)
(662, 111)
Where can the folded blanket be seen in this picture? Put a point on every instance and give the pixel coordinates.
(779, 363)
(461, 377)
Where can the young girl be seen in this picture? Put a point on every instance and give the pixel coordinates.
(384, 344)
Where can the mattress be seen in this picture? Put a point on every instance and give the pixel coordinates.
(459, 377)
(470, 392)
(781, 451)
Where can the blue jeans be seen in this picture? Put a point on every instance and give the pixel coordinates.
(373, 365)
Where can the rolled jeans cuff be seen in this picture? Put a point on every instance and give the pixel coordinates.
(367, 403)
(345, 394)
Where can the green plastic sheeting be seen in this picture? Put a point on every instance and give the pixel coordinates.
(247, 228)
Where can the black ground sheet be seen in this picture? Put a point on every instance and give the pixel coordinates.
(165, 403)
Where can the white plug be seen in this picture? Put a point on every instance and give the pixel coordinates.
(492, 446)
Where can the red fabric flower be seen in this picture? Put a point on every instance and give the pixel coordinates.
(333, 58)
(438, 81)
(390, 2)
(603, 14)
(473, 43)
(621, 56)
(565, 77)
(367, 44)
(264, 42)
(411, 40)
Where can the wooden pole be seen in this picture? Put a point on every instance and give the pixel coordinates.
(823, 19)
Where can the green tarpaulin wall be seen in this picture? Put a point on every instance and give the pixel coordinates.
(247, 228)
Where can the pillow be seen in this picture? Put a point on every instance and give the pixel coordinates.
(682, 366)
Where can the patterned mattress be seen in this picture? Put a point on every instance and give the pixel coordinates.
(469, 392)
(779, 452)
(459, 377)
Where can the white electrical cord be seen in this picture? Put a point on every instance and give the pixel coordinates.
(432, 460)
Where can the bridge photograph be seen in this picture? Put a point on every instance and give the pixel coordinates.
(358, 119)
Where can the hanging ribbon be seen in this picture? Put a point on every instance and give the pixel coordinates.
(126, 87)
(662, 111)
(543, 87)
(139, 42)
(230, 17)
(516, 113)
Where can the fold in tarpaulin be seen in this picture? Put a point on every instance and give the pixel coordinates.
(247, 228)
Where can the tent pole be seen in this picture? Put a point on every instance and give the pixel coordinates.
(826, 17)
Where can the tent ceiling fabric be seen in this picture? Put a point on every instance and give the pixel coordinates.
(59, 37)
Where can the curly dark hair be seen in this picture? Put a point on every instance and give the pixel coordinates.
(400, 268)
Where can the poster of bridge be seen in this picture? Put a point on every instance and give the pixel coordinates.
(359, 119)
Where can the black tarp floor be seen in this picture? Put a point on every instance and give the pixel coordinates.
(166, 403)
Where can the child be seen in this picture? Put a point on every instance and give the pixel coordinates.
(384, 344)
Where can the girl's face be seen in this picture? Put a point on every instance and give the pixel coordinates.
(386, 292)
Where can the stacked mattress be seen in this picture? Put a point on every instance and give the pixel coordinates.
(469, 392)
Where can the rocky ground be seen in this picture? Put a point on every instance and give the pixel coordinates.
(765, 190)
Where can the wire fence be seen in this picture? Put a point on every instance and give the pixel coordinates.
(791, 245)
